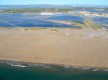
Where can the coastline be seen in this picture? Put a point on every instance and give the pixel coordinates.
(55, 46)
(19, 64)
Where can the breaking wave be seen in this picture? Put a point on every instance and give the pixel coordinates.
(47, 66)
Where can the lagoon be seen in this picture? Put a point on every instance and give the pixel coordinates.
(36, 20)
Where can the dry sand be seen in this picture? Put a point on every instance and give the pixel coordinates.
(56, 46)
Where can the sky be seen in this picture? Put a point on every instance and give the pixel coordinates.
(56, 2)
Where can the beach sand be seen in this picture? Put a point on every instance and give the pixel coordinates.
(67, 46)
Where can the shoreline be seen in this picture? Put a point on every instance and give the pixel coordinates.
(55, 46)
(20, 64)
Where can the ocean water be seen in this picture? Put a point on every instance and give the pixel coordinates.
(27, 71)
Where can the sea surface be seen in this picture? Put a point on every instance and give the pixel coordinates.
(10, 70)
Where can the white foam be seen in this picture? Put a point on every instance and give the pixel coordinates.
(66, 66)
(85, 68)
(41, 65)
(106, 70)
(18, 65)
(95, 69)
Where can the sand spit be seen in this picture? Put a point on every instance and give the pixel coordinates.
(65, 46)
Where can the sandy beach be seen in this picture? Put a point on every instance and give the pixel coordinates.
(65, 46)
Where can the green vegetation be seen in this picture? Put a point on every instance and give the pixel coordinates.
(96, 26)
(6, 28)
(54, 9)
(89, 23)
(32, 29)
(107, 30)
(53, 29)
(36, 10)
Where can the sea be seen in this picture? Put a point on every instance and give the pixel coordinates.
(14, 70)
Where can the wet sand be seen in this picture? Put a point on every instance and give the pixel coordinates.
(85, 47)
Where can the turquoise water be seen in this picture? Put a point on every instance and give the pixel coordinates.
(11, 71)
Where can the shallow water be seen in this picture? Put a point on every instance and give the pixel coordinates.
(102, 20)
(34, 20)
(27, 71)
(66, 17)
